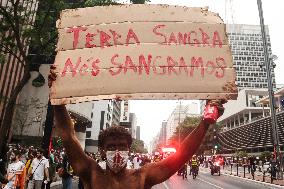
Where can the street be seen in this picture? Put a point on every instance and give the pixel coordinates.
(205, 181)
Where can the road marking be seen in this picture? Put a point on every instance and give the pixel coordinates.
(209, 183)
(164, 183)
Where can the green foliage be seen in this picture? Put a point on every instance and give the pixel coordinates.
(57, 143)
(139, 1)
(240, 154)
(91, 3)
(185, 128)
(138, 146)
(265, 155)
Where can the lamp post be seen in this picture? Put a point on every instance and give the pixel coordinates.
(270, 87)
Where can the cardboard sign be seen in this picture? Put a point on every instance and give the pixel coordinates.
(142, 52)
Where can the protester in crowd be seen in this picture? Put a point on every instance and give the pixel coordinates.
(15, 169)
(39, 171)
(3, 179)
(114, 144)
(65, 171)
(136, 162)
(28, 166)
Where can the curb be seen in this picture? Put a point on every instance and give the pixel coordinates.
(256, 181)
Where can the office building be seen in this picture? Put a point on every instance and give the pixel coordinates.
(248, 55)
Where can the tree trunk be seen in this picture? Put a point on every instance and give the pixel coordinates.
(10, 108)
(47, 129)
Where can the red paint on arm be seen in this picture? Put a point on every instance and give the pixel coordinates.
(76, 32)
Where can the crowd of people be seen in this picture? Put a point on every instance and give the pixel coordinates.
(28, 168)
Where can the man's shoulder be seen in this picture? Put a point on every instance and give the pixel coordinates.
(20, 163)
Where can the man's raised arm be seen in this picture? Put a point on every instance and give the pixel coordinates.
(161, 171)
(78, 159)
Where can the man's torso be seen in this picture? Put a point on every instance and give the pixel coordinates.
(38, 168)
(100, 179)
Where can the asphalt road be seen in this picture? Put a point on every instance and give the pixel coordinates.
(204, 181)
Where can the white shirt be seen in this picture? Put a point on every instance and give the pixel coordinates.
(102, 164)
(38, 169)
(12, 169)
(136, 163)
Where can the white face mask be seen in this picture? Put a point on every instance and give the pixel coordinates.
(116, 160)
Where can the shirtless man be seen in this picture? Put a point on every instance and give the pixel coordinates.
(114, 144)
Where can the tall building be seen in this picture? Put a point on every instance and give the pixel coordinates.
(248, 55)
(163, 133)
(101, 117)
(124, 116)
(244, 110)
(138, 132)
(116, 113)
(131, 125)
(178, 115)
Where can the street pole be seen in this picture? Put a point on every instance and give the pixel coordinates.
(270, 88)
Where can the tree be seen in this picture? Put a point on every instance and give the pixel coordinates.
(265, 155)
(138, 146)
(139, 1)
(19, 30)
(184, 129)
(22, 118)
(187, 126)
(240, 154)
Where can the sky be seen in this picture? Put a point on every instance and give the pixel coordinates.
(150, 114)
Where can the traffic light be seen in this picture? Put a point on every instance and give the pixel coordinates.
(216, 146)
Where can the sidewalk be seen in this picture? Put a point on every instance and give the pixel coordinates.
(58, 184)
(258, 176)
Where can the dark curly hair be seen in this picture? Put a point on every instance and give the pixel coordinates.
(114, 131)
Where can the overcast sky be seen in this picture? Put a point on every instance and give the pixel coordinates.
(150, 114)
